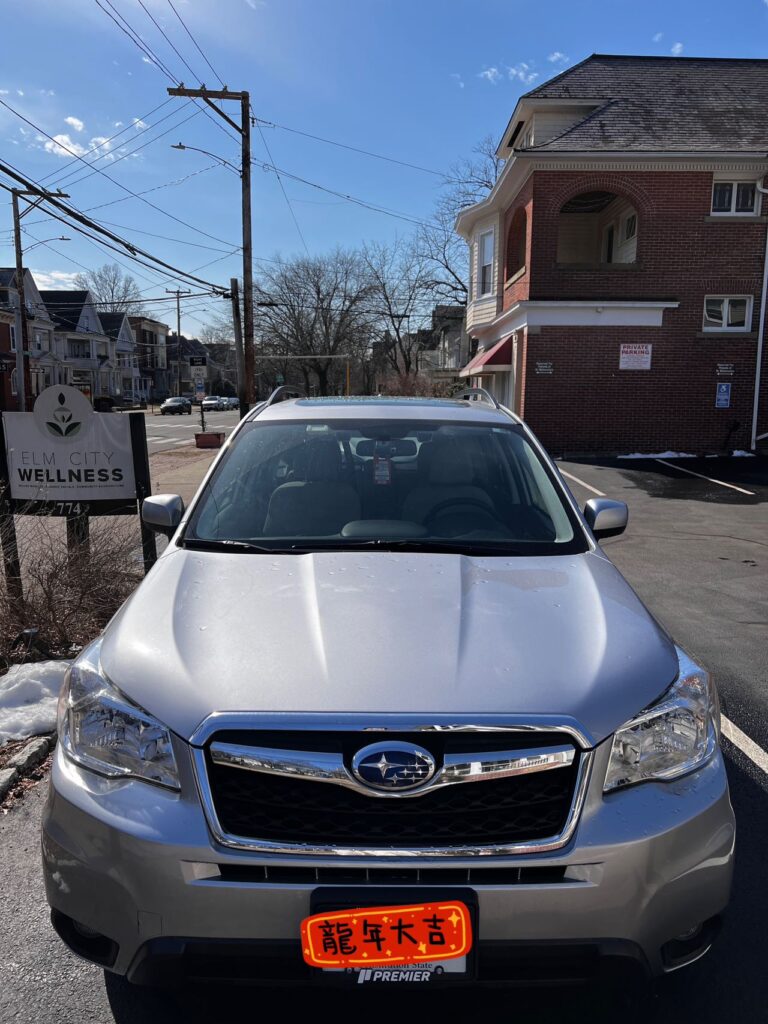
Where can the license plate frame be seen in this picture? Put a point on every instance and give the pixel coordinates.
(327, 899)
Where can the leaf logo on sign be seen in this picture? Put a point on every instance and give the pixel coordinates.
(64, 426)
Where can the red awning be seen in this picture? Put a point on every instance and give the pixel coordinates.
(499, 354)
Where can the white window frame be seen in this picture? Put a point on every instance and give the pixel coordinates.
(625, 224)
(724, 328)
(733, 212)
(483, 292)
(12, 328)
(14, 381)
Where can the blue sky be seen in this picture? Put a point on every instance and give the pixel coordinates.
(417, 80)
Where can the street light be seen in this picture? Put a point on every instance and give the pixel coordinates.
(44, 241)
(214, 156)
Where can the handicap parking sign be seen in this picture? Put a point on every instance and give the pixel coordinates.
(723, 396)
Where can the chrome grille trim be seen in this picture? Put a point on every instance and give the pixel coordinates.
(395, 723)
(317, 766)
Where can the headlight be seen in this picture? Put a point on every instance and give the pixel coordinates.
(672, 737)
(101, 729)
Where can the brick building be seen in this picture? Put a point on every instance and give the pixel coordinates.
(618, 267)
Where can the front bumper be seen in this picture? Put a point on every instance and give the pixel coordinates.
(136, 864)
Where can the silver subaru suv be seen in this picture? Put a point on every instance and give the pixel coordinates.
(384, 671)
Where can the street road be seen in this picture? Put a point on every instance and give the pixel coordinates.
(164, 433)
(696, 552)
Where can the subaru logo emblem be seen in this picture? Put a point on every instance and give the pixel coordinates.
(393, 766)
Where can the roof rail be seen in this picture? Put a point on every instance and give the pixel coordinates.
(477, 395)
(280, 394)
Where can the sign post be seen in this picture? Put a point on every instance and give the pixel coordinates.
(63, 459)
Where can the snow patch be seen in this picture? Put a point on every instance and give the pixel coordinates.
(658, 455)
(742, 455)
(28, 698)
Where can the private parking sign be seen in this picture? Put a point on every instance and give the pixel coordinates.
(723, 396)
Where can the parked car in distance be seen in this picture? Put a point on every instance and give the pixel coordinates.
(213, 403)
(437, 691)
(176, 407)
(233, 402)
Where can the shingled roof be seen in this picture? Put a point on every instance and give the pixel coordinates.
(112, 322)
(663, 104)
(65, 307)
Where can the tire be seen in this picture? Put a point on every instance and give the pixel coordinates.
(162, 412)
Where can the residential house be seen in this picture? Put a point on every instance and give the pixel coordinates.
(85, 350)
(445, 348)
(130, 383)
(180, 373)
(151, 338)
(616, 286)
(42, 365)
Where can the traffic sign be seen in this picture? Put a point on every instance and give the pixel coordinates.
(723, 396)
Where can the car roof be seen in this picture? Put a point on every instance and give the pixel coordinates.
(377, 408)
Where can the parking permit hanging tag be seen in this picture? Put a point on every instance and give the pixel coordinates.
(382, 470)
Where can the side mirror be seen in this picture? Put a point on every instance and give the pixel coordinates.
(605, 517)
(162, 513)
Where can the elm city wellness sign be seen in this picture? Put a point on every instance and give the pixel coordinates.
(64, 452)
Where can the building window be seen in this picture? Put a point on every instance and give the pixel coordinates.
(486, 263)
(13, 338)
(630, 227)
(727, 312)
(14, 382)
(516, 243)
(734, 197)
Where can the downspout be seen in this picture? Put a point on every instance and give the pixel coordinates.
(760, 333)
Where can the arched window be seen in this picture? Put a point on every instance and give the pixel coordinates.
(516, 243)
(597, 227)
(14, 382)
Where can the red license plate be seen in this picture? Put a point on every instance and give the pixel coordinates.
(377, 936)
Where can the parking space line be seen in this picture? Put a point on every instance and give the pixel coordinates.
(747, 746)
(589, 487)
(722, 483)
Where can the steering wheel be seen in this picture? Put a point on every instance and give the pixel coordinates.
(442, 507)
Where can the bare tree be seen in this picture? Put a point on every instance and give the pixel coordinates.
(445, 253)
(313, 307)
(112, 288)
(401, 298)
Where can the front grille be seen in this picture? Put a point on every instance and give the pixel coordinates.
(501, 812)
(279, 874)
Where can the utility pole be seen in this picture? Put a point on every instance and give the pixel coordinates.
(178, 293)
(239, 355)
(244, 131)
(22, 328)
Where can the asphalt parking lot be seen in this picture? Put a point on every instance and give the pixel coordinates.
(695, 551)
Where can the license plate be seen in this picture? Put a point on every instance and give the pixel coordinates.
(367, 936)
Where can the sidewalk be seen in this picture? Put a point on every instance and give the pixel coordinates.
(179, 471)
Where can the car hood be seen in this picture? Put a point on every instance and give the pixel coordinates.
(387, 632)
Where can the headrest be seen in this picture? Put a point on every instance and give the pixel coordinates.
(323, 460)
(450, 464)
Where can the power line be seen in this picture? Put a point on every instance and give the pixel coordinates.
(355, 149)
(114, 181)
(282, 189)
(342, 195)
(137, 149)
(74, 215)
(58, 174)
(184, 26)
(165, 36)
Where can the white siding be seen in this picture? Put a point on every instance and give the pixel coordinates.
(547, 124)
(483, 308)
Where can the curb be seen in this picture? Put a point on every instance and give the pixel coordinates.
(30, 755)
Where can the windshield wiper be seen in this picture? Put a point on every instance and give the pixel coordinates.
(426, 545)
(201, 544)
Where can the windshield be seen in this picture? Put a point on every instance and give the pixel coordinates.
(301, 486)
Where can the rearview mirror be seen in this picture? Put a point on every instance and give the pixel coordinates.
(605, 517)
(162, 513)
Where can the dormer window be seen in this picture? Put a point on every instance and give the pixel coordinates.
(734, 197)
